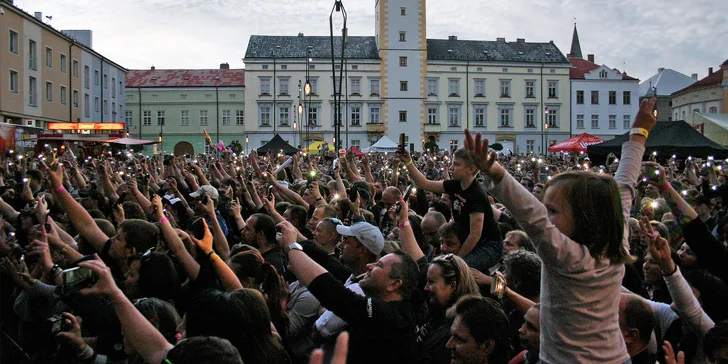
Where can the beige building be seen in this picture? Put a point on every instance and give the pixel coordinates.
(41, 79)
(702, 97)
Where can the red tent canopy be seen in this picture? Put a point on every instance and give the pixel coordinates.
(575, 144)
(356, 151)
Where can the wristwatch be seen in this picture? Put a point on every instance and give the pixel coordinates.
(294, 246)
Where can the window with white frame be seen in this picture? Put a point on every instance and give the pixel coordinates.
(374, 114)
(284, 114)
(87, 108)
(355, 115)
(147, 117)
(97, 78)
(402, 11)
(161, 116)
(265, 116)
(479, 87)
(432, 115)
(431, 87)
(713, 110)
(553, 89)
(13, 42)
(580, 121)
(337, 86)
(128, 118)
(86, 77)
(580, 97)
(64, 96)
(184, 117)
(505, 88)
(239, 117)
(374, 86)
(314, 86)
(14, 84)
(529, 146)
(226, 117)
(283, 83)
(626, 97)
(453, 87)
(75, 68)
(356, 143)
(356, 86)
(313, 115)
(265, 85)
(479, 116)
(203, 117)
(49, 91)
(603, 74)
(505, 117)
(453, 145)
(612, 97)
(32, 55)
(552, 117)
(530, 121)
(33, 92)
(106, 81)
(402, 36)
(530, 89)
(403, 116)
(403, 85)
(595, 97)
(627, 121)
(49, 57)
(453, 115)
(403, 61)
(612, 121)
(595, 121)
(62, 61)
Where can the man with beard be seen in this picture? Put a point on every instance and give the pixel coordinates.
(260, 232)
(382, 323)
(355, 254)
(431, 222)
(210, 192)
(479, 332)
(529, 336)
(325, 235)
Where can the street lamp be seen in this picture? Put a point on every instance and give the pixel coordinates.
(246, 144)
(338, 8)
(308, 91)
(546, 128)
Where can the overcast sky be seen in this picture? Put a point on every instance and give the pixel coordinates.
(636, 36)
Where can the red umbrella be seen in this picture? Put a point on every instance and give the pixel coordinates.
(575, 144)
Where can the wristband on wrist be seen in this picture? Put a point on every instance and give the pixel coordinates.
(407, 164)
(86, 353)
(60, 188)
(319, 199)
(402, 225)
(668, 274)
(211, 253)
(163, 220)
(665, 187)
(639, 131)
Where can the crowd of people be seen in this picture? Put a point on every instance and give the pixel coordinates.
(463, 257)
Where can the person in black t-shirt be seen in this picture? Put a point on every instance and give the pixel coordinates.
(470, 207)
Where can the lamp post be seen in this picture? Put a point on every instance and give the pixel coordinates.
(338, 8)
(546, 128)
(307, 92)
(246, 144)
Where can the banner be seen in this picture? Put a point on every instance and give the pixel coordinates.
(7, 137)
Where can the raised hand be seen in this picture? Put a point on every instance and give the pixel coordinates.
(645, 117)
(487, 164)
(289, 234)
(659, 248)
(157, 207)
(104, 285)
(670, 357)
(73, 336)
(661, 177)
(206, 243)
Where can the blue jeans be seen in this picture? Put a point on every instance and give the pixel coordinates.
(485, 255)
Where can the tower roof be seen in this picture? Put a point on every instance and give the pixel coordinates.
(575, 45)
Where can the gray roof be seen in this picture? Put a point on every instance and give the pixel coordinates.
(494, 51)
(666, 81)
(267, 46)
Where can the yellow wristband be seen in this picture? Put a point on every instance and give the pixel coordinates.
(407, 164)
(640, 131)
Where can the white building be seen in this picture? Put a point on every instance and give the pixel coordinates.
(401, 82)
(603, 100)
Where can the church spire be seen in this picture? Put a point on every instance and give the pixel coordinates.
(575, 46)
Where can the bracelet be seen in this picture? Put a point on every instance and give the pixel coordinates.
(402, 225)
(210, 253)
(665, 187)
(163, 220)
(319, 199)
(86, 353)
(60, 188)
(670, 273)
(407, 164)
(639, 131)
(214, 257)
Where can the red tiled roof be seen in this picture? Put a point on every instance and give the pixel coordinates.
(714, 78)
(581, 66)
(186, 78)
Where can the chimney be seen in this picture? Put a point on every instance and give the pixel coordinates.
(153, 68)
(710, 71)
(660, 69)
(694, 76)
(224, 66)
(590, 58)
(38, 15)
(452, 37)
(300, 34)
(501, 40)
(520, 40)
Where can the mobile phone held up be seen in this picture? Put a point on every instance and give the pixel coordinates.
(652, 173)
(406, 196)
(497, 286)
(401, 142)
(76, 279)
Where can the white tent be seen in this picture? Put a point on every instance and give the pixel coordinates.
(383, 145)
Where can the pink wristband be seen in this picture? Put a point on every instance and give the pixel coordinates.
(402, 225)
(60, 188)
(163, 220)
(665, 187)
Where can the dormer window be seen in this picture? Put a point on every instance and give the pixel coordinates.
(603, 74)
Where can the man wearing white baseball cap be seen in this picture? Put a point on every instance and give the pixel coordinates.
(367, 234)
